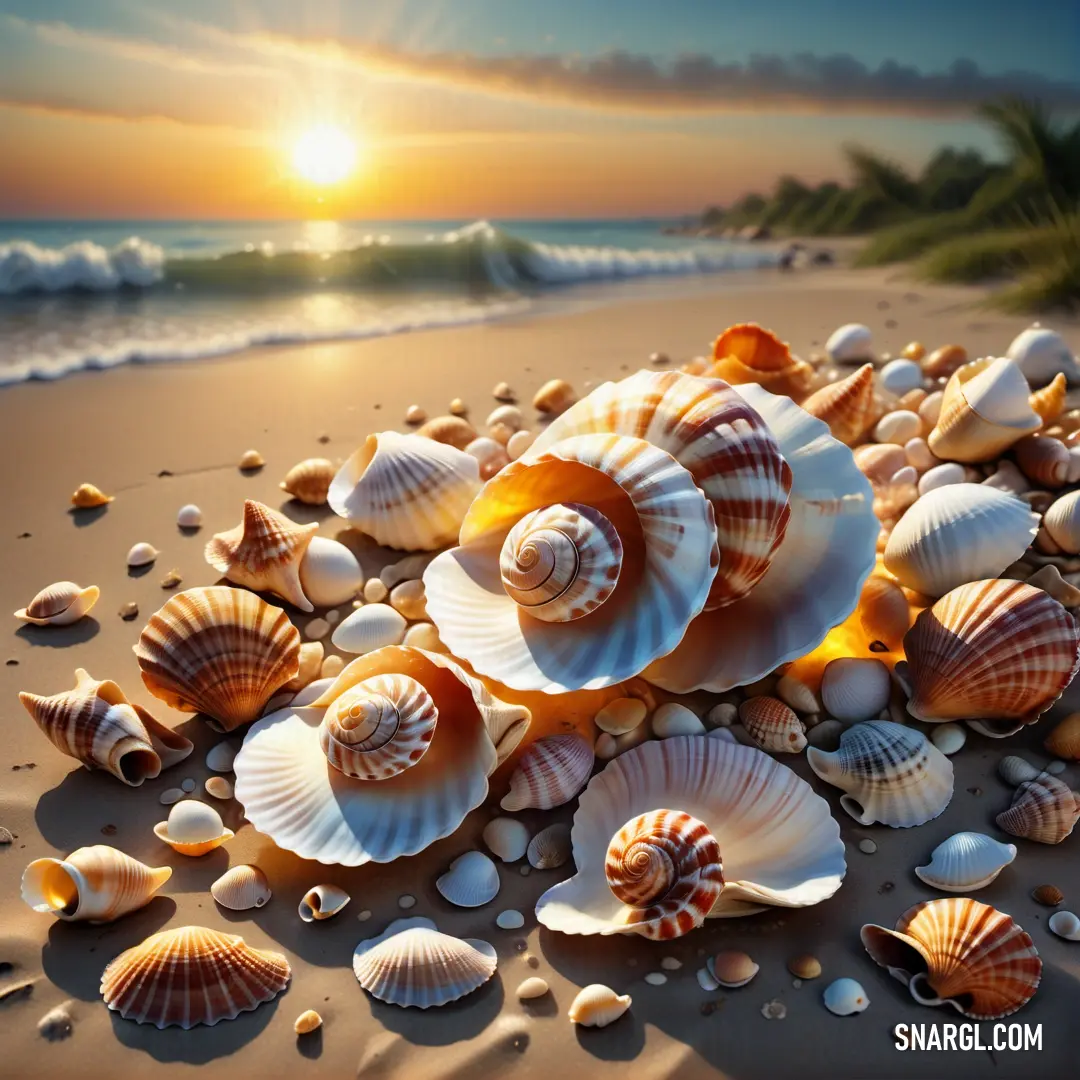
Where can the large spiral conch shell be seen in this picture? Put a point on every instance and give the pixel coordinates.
(747, 353)
(959, 952)
(406, 491)
(219, 651)
(777, 840)
(97, 725)
(391, 794)
(990, 650)
(96, 884)
(725, 446)
(263, 552)
(668, 540)
(192, 975)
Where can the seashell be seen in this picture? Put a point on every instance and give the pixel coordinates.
(518, 443)
(930, 409)
(847, 406)
(845, 997)
(369, 628)
(1062, 522)
(263, 553)
(943, 361)
(949, 738)
(849, 343)
(554, 397)
(1047, 895)
(189, 516)
(901, 375)
(454, 431)
(985, 410)
(1064, 740)
(219, 651)
(621, 715)
(897, 427)
(531, 988)
(142, 554)
(59, 604)
(991, 650)
(854, 689)
(375, 591)
(1044, 810)
(880, 462)
(944, 475)
(311, 657)
(406, 492)
(550, 848)
(218, 788)
(889, 773)
(192, 975)
(884, 612)
(959, 952)
(412, 964)
(193, 828)
(1042, 354)
(471, 881)
(250, 460)
(98, 884)
(1049, 402)
(414, 414)
(220, 758)
(423, 635)
(330, 574)
(293, 794)
(510, 415)
(1044, 460)
(772, 725)
(597, 1006)
(1015, 770)
(490, 453)
(309, 480)
(322, 902)
(957, 534)
(966, 861)
(797, 695)
(503, 392)
(408, 599)
(307, 1022)
(510, 920)
(805, 967)
(97, 725)
(457, 407)
(674, 719)
(779, 844)
(87, 497)
(507, 838)
(550, 772)
(747, 353)
(731, 969)
(1066, 925)
(913, 350)
(919, 456)
(241, 888)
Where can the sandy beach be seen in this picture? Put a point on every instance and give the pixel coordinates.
(159, 436)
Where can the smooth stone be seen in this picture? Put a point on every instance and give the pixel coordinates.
(656, 978)
(867, 846)
(510, 920)
(1056, 767)
(948, 738)
(723, 715)
(673, 719)
(407, 901)
(172, 795)
(189, 785)
(606, 747)
(797, 695)
(317, 629)
(220, 758)
(671, 963)
(531, 988)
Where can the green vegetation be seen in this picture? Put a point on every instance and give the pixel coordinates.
(962, 218)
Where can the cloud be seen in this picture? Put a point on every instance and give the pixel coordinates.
(65, 108)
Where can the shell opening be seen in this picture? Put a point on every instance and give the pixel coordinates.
(856, 810)
(139, 765)
(51, 888)
(561, 562)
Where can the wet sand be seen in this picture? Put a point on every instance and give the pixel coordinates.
(158, 437)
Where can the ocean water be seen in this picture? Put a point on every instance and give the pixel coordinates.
(78, 295)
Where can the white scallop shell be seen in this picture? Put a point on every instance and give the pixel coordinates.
(855, 688)
(411, 964)
(406, 491)
(850, 343)
(597, 1006)
(330, 574)
(1041, 353)
(779, 843)
(471, 881)
(507, 837)
(322, 902)
(369, 628)
(966, 861)
(59, 604)
(241, 888)
(956, 534)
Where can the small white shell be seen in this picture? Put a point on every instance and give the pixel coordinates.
(193, 828)
(532, 988)
(59, 604)
(1041, 354)
(966, 861)
(510, 415)
(142, 554)
(241, 888)
(849, 343)
(189, 517)
(518, 443)
(368, 628)
(621, 715)
(941, 476)
(673, 719)
(845, 997)
(471, 881)
(330, 573)
(897, 427)
(854, 689)
(506, 837)
(1066, 925)
(597, 1005)
(900, 376)
(322, 902)
(949, 738)
(550, 848)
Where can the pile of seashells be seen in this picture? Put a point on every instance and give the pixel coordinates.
(842, 556)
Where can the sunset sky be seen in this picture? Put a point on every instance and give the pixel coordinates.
(495, 108)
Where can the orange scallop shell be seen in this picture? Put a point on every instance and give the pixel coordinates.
(747, 352)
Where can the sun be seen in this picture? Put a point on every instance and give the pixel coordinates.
(324, 155)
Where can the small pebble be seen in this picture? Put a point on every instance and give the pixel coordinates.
(363, 916)
(331, 667)
(1056, 767)
(722, 715)
(407, 901)
(673, 719)
(171, 579)
(307, 1022)
(316, 629)
(656, 978)
(606, 747)
(219, 788)
(659, 359)
(189, 785)
(5, 836)
(948, 738)
(415, 415)
(510, 920)
(220, 758)
(251, 460)
(55, 1024)
(670, 963)
(333, 616)
(867, 846)
(172, 795)
(375, 592)
(525, 871)
(774, 1010)
(532, 988)
(129, 611)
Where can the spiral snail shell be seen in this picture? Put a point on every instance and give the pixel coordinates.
(664, 866)
(379, 727)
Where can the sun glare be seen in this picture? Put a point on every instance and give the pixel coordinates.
(324, 155)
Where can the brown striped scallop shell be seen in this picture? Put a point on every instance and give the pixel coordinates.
(192, 975)
(219, 651)
(664, 867)
(551, 772)
(1044, 809)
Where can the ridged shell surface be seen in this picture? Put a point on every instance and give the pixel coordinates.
(772, 725)
(1045, 809)
(991, 650)
(889, 774)
(956, 534)
(597, 1006)
(412, 964)
(962, 953)
(309, 480)
(847, 405)
(219, 651)
(241, 888)
(192, 975)
(966, 861)
(551, 772)
(778, 842)
(59, 604)
(406, 491)
(471, 881)
(368, 628)
(263, 552)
